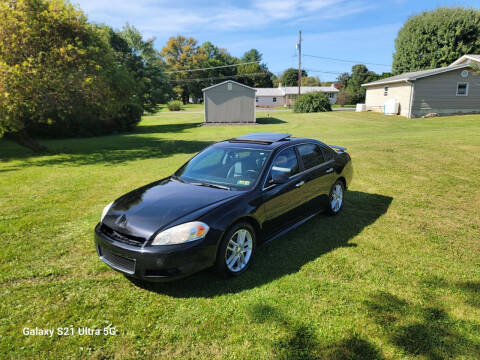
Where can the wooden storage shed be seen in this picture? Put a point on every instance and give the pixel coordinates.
(229, 102)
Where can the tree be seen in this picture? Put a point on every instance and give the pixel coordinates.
(148, 68)
(139, 46)
(290, 77)
(311, 81)
(256, 74)
(436, 38)
(181, 53)
(216, 57)
(342, 80)
(360, 75)
(344, 97)
(57, 71)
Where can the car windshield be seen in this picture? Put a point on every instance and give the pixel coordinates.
(229, 168)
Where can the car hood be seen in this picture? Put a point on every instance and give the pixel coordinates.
(144, 211)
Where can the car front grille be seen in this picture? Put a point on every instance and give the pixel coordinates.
(126, 239)
(116, 261)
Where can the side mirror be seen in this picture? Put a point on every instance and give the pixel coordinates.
(279, 178)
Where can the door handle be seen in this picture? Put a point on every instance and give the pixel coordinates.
(300, 184)
(329, 170)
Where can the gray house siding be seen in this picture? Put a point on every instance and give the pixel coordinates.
(438, 94)
(236, 105)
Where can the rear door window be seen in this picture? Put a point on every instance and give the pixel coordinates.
(328, 153)
(311, 154)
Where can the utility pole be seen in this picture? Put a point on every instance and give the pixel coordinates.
(299, 47)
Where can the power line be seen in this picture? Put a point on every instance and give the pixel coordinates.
(212, 67)
(218, 77)
(361, 62)
(343, 60)
(324, 71)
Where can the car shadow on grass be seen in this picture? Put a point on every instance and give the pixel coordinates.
(287, 254)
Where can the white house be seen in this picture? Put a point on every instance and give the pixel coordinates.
(286, 95)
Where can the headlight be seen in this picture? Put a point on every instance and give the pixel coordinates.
(182, 233)
(105, 210)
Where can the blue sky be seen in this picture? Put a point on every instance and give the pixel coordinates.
(358, 30)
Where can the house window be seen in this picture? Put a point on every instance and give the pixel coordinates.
(331, 95)
(274, 99)
(385, 91)
(462, 89)
(256, 99)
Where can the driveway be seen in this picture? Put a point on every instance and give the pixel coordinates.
(343, 109)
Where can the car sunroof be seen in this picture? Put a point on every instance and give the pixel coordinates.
(262, 137)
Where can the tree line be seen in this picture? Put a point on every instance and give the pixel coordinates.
(61, 75)
(182, 53)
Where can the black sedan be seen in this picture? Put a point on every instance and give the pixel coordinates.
(220, 205)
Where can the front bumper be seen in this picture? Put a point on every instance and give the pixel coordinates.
(156, 263)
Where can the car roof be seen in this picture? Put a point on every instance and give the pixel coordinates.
(265, 141)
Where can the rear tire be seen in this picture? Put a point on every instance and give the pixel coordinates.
(236, 251)
(335, 198)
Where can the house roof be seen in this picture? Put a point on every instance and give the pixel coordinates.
(465, 58)
(412, 76)
(270, 92)
(229, 81)
(288, 90)
(309, 89)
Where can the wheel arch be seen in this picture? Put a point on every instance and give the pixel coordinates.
(342, 179)
(245, 218)
(249, 219)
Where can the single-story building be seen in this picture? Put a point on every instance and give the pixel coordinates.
(454, 89)
(229, 102)
(286, 95)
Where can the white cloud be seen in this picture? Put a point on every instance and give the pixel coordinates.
(167, 17)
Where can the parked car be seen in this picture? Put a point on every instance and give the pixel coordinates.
(221, 204)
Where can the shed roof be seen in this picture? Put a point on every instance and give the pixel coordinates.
(414, 75)
(229, 81)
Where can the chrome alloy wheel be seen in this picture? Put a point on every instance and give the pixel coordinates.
(336, 198)
(239, 250)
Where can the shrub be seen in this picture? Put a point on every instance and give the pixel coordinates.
(344, 97)
(175, 105)
(313, 102)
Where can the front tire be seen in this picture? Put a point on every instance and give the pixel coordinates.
(235, 253)
(335, 198)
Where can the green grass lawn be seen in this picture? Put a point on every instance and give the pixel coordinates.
(395, 276)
